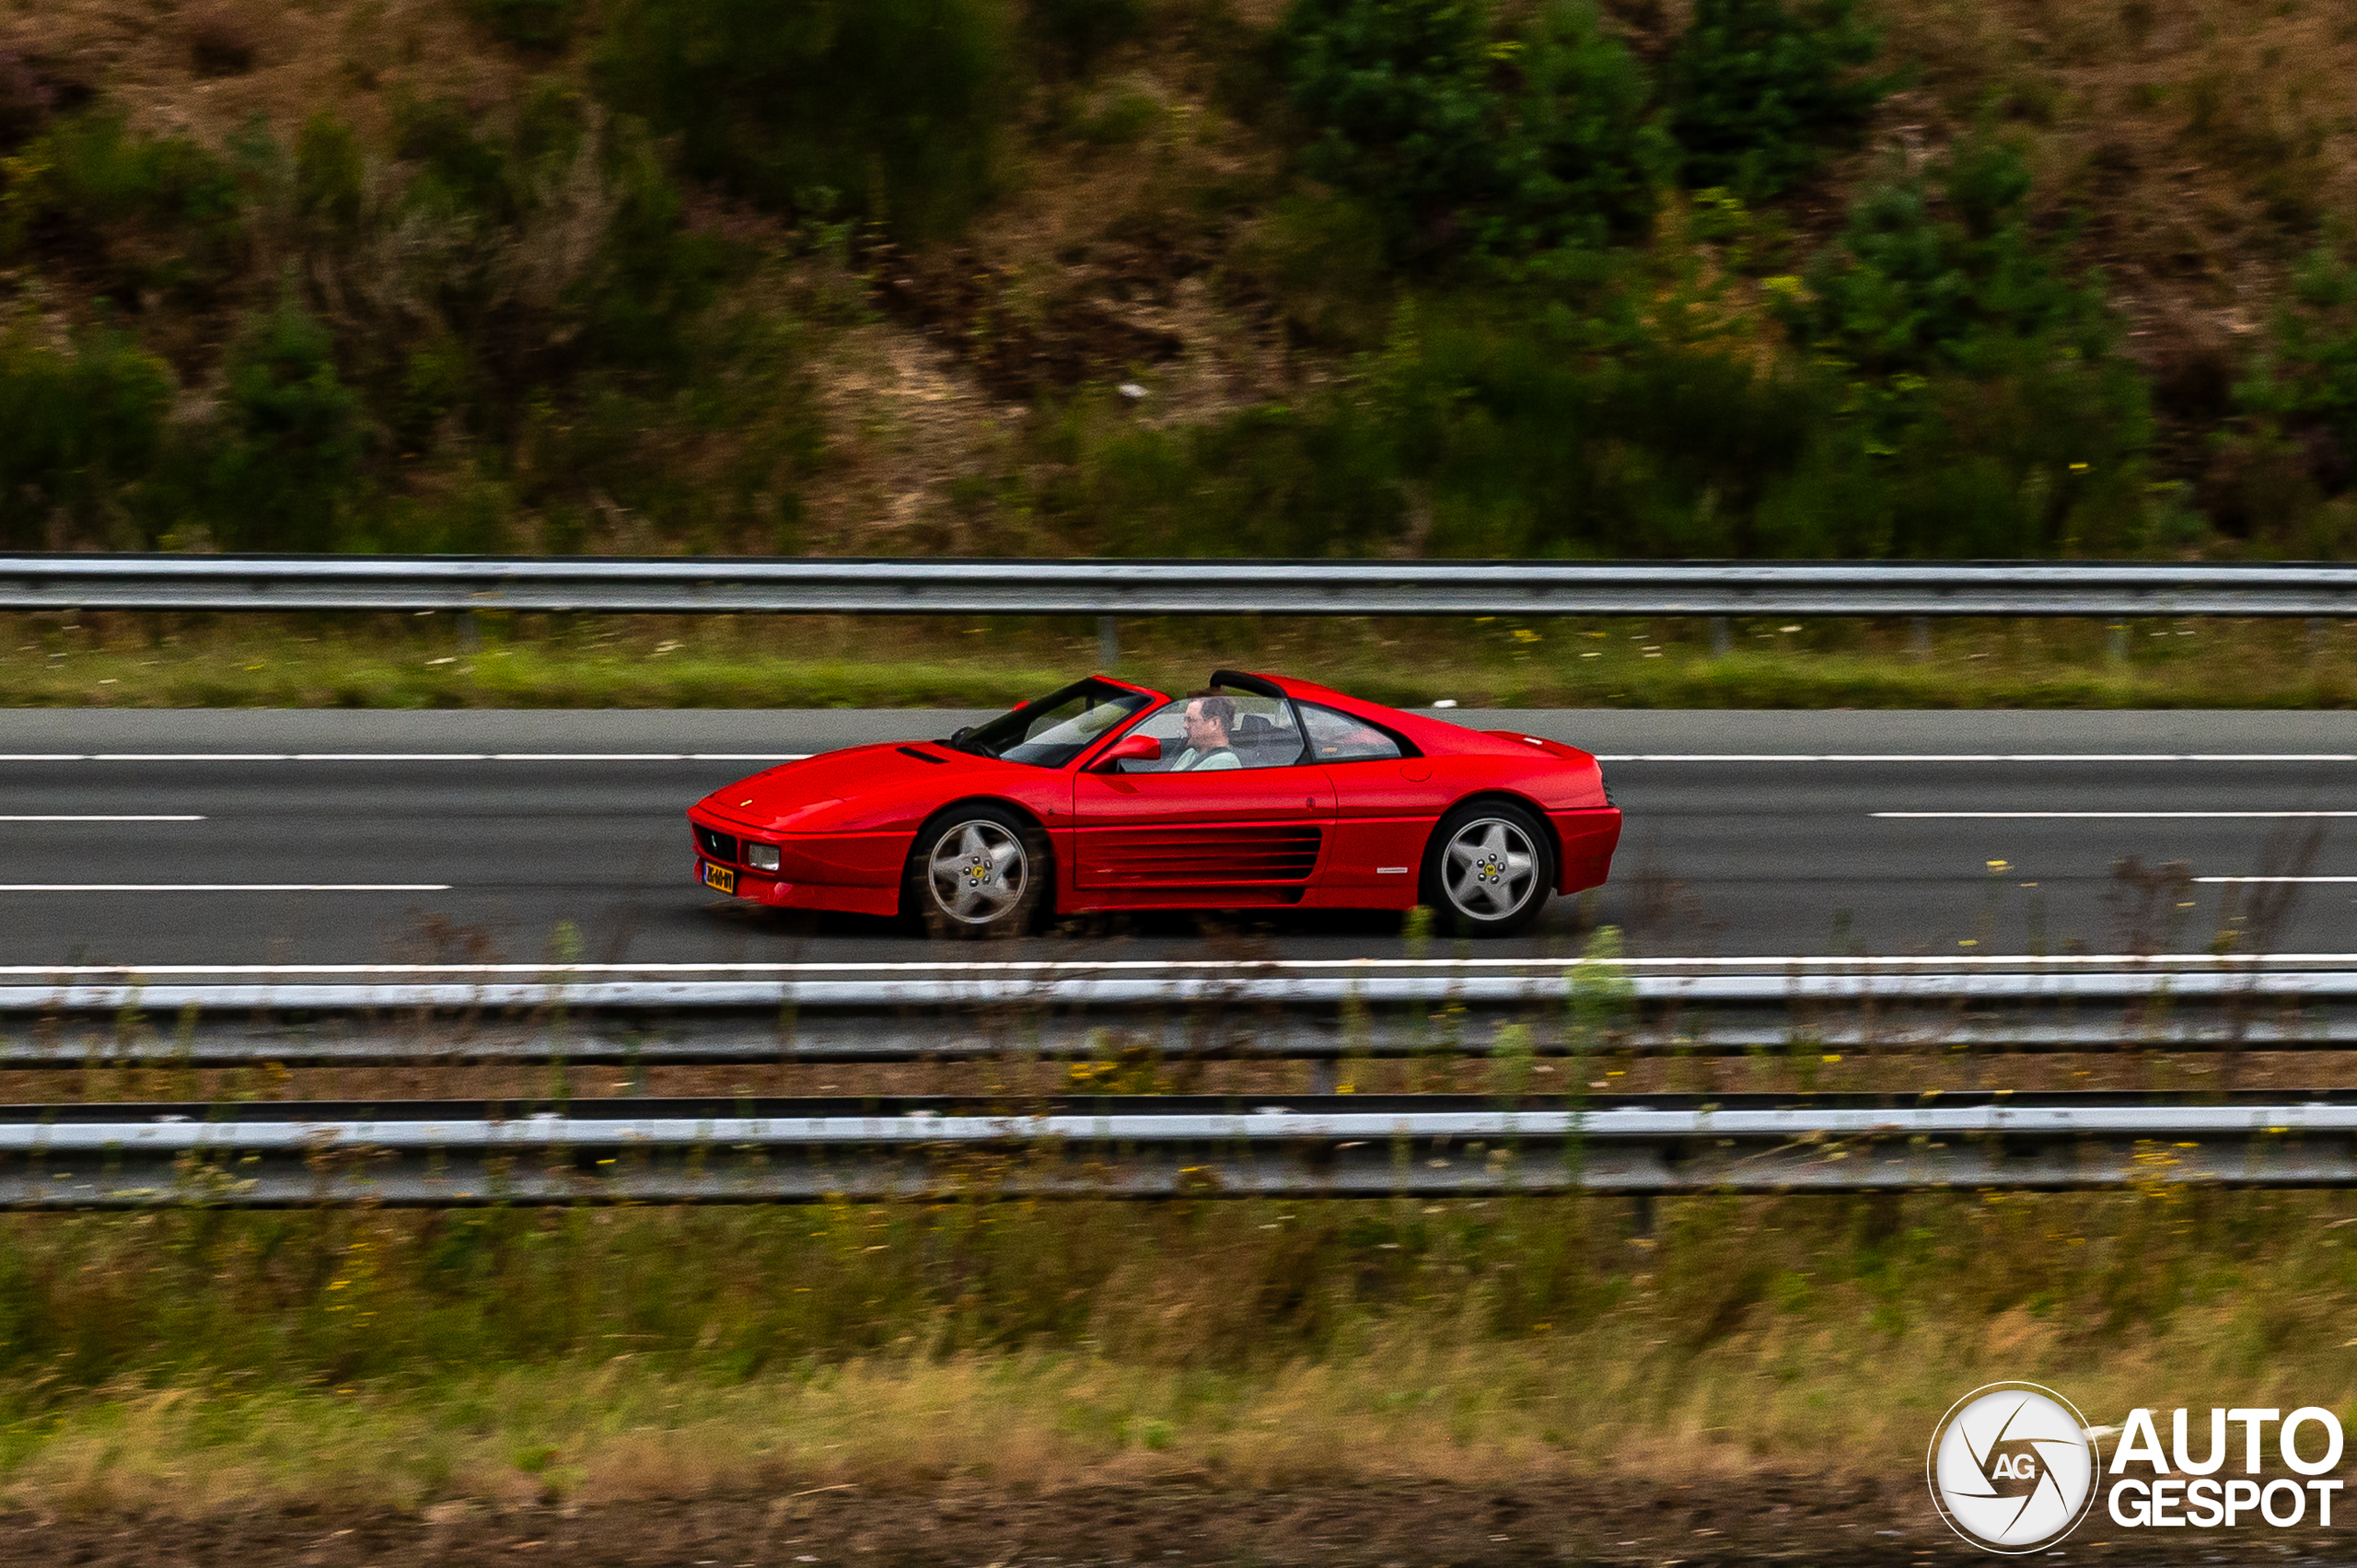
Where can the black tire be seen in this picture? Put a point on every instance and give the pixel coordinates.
(1488, 869)
(976, 871)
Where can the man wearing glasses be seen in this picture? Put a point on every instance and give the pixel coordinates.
(1210, 717)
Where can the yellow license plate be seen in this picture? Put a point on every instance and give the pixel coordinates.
(720, 877)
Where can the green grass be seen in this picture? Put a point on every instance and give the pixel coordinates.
(664, 662)
(201, 1361)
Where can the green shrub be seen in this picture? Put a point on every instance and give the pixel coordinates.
(1469, 131)
(539, 252)
(328, 174)
(1127, 118)
(80, 427)
(2305, 383)
(1758, 89)
(166, 214)
(895, 104)
(283, 470)
(1270, 480)
(1568, 419)
(654, 278)
(456, 169)
(1948, 274)
(1078, 31)
(1476, 431)
(528, 24)
(1979, 372)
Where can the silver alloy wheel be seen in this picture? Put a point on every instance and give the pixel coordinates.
(977, 871)
(1491, 869)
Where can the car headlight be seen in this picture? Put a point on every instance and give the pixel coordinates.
(761, 857)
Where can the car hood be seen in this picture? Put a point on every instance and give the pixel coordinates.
(826, 791)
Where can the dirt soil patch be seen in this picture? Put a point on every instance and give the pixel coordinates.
(1798, 1518)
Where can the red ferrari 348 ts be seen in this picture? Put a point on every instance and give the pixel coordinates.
(1259, 791)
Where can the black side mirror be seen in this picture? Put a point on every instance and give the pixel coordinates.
(961, 733)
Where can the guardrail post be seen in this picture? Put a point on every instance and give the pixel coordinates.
(1919, 637)
(470, 632)
(2117, 652)
(1722, 637)
(2319, 638)
(1109, 642)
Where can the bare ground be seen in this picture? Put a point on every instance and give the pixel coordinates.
(1769, 1518)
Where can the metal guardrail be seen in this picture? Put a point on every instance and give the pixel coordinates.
(590, 1152)
(1313, 1010)
(675, 585)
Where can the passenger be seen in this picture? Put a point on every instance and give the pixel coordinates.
(1209, 719)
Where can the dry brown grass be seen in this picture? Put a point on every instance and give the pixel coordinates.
(1603, 1402)
(1015, 1079)
(165, 66)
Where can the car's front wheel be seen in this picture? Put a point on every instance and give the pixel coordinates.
(1489, 868)
(977, 870)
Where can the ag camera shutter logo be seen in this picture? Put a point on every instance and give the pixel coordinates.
(2011, 1468)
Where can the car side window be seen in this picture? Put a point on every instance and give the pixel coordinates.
(1337, 738)
(1258, 731)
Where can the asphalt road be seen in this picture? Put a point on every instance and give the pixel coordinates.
(337, 837)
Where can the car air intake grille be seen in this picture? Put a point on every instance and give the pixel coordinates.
(721, 847)
(1188, 857)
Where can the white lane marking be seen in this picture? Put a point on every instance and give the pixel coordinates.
(2276, 878)
(2088, 816)
(225, 886)
(1977, 757)
(2186, 962)
(405, 756)
(63, 818)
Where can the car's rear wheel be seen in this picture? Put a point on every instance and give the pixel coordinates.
(977, 870)
(1488, 869)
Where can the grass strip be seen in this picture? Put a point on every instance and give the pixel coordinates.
(540, 661)
(205, 1361)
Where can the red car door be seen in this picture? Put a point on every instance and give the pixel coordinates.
(1386, 804)
(1253, 833)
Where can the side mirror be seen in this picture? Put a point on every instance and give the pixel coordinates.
(1142, 747)
(961, 733)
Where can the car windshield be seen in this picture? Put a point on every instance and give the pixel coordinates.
(1059, 727)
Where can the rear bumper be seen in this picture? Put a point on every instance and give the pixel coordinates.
(1588, 839)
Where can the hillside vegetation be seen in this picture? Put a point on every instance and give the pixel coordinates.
(1550, 277)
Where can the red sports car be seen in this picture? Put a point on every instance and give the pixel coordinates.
(1256, 793)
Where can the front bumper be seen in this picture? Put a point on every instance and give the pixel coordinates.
(776, 892)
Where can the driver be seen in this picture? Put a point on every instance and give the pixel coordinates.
(1209, 719)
